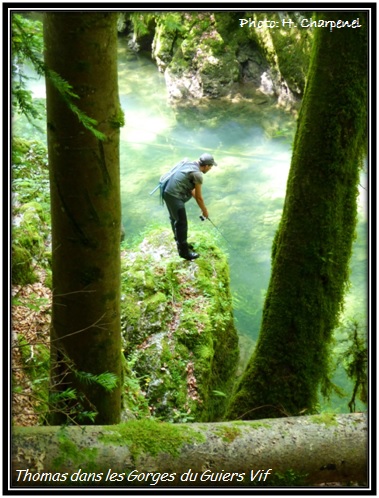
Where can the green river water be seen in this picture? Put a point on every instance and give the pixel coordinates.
(244, 193)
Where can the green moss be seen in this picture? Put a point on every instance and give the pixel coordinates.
(28, 237)
(49, 279)
(30, 210)
(68, 451)
(287, 478)
(288, 51)
(152, 437)
(33, 212)
(22, 267)
(118, 119)
(253, 424)
(153, 302)
(228, 433)
(182, 315)
(204, 352)
(20, 147)
(327, 419)
(129, 311)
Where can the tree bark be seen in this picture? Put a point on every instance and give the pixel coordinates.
(313, 245)
(314, 449)
(81, 48)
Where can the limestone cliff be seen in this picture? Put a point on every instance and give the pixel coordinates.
(217, 54)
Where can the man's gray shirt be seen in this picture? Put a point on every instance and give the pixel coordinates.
(183, 181)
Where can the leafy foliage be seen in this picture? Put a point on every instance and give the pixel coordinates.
(354, 360)
(27, 47)
(30, 211)
(106, 380)
(141, 22)
(144, 21)
(70, 402)
(173, 21)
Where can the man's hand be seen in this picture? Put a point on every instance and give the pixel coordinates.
(205, 213)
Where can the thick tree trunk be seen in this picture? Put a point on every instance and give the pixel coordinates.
(313, 245)
(85, 207)
(291, 452)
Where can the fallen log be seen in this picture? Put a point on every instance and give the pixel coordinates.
(288, 451)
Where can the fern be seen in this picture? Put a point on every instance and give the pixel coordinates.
(66, 92)
(173, 21)
(68, 393)
(140, 22)
(84, 415)
(106, 380)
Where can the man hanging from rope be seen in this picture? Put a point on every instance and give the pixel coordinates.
(185, 183)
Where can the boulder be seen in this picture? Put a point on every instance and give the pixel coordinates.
(179, 338)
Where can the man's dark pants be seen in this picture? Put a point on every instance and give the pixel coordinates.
(178, 219)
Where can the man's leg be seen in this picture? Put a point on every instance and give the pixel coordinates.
(181, 229)
(178, 219)
(171, 204)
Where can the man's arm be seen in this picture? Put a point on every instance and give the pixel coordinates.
(196, 193)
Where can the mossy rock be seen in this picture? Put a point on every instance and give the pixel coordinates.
(178, 328)
(20, 147)
(35, 212)
(207, 53)
(27, 236)
(22, 267)
(31, 233)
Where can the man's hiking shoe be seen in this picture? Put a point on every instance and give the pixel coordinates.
(186, 253)
(189, 255)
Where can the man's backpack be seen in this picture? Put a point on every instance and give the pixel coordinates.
(163, 180)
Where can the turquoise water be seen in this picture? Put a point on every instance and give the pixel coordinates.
(244, 194)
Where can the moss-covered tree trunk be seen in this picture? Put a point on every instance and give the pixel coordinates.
(85, 207)
(312, 248)
(294, 451)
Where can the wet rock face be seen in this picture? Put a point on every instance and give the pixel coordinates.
(204, 75)
(210, 62)
(207, 76)
(207, 55)
(185, 86)
(253, 64)
(179, 339)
